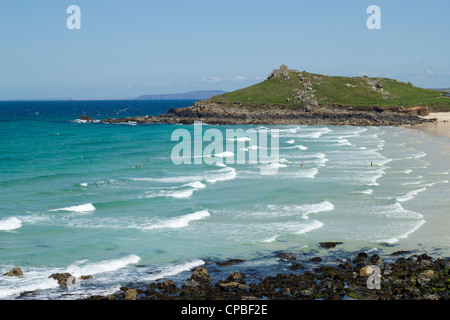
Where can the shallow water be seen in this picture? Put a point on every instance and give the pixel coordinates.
(106, 200)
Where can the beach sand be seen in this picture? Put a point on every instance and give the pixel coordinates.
(440, 128)
(434, 139)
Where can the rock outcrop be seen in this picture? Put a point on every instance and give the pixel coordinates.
(17, 272)
(312, 114)
(63, 278)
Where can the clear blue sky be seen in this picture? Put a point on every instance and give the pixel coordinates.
(127, 48)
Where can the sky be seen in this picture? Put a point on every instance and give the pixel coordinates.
(127, 48)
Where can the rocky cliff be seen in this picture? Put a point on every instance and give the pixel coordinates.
(223, 114)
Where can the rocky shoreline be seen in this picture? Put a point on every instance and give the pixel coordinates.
(244, 114)
(302, 276)
(417, 277)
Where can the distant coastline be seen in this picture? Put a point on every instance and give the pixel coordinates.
(191, 95)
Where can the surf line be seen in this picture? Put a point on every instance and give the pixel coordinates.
(258, 151)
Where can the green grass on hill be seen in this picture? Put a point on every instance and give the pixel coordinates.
(326, 90)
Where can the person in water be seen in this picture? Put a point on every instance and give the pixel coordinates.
(301, 164)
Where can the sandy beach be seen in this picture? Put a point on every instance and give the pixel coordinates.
(435, 142)
(440, 128)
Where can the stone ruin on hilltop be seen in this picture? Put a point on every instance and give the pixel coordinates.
(284, 71)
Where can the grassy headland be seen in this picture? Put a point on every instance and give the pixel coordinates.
(299, 89)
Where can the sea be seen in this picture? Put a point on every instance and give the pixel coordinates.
(107, 200)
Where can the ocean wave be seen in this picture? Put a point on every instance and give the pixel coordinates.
(10, 224)
(225, 154)
(180, 179)
(85, 268)
(88, 207)
(180, 222)
(396, 211)
(187, 190)
(37, 279)
(303, 209)
(300, 147)
(271, 239)
(416, 156)
(403, 235)
(240, 139)
(184, 191)
(410, 195)
(303, 132)
(224, 174)
(175, 269)
(314, 225)
(275, 165)
(368, 191)
(220, 164)
(307, 174)
(15, 286)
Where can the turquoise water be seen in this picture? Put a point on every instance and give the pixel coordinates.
(107, 200)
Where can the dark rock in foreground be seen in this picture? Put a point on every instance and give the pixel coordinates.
(65, 278)
(329, 244)
(229, 262)
(418, 277)
(17, 272)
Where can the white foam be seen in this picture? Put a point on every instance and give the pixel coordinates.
(84, 268)
(397, 211)
(300, 147)
(240, 139)
(271, 239)
(315, 135)
(220, 164)
(180, 194)
(84, 184)
(184, 191)
(275, 165)
(291, 141)
(10, 224)
(318, 155)
(404, 235)
(224, 174)
(368, 191)
(88, 207)
(180, 222)
(304, 209)
(225, 154)
(181, 179)
(417, 156)
(343, 142)
(310, 227)
(197, 185)
(410, 195)
(308, 174)
(22, 284)
(316, 208)
(85, 121)
(173, 270)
